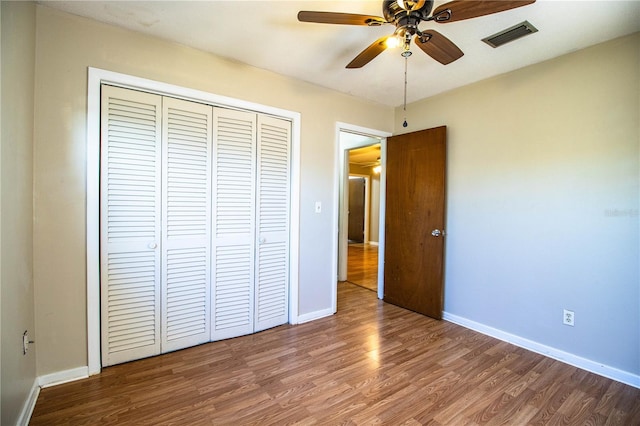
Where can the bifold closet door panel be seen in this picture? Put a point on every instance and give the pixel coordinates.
(273, 199)
(186, 224)
(130, 226)
(233, 242)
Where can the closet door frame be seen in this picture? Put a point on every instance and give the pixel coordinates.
(97, 77)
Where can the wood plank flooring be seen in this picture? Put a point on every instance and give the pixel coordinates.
(362, 265)
(371, 363)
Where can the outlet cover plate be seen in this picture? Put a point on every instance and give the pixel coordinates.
(568, 318)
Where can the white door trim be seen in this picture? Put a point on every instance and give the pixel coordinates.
(96, 77)
(341, 179)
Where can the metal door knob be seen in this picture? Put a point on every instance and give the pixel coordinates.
(436, 232)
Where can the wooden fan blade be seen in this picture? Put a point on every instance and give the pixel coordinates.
(438, 47)
(467, 9)
(340, 18)
(376, 48)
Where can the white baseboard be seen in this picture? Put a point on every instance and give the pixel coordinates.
(373, 243)
(46, 381)
(557, 354)
(65, 376)
(315, 315)
(29, 405)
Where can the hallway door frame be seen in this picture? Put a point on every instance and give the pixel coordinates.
(364, 137)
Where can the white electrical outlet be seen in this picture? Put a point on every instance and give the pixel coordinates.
(318, 207)
(568, 318)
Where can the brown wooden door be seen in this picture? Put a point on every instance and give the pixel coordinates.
(356, 209)
(415, 205)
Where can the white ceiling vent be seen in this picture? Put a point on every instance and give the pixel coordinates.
(517, 31)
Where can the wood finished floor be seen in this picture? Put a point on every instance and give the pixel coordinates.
(362, 265)
(371, 363)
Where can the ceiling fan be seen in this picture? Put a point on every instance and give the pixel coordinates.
(406, 15)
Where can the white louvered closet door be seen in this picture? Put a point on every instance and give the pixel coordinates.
(233, 242)
(272, 255)
(194, 225)
(186, 226)
(130, 225)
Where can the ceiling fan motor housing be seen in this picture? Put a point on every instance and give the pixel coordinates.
(394, 13)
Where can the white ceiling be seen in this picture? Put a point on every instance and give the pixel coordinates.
(267, 34)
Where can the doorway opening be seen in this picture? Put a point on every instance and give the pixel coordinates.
(361, 209)
(364, 204)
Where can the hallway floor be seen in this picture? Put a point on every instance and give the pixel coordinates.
(362, 269)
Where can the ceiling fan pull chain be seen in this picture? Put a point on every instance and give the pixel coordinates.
(404, 106)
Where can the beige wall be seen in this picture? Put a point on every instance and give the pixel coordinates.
(18, 371)
(543, 198)
(67, 45)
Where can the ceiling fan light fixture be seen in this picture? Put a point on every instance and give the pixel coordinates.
(392, 42)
